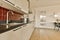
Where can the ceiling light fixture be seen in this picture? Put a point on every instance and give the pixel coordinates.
(55, 15)
(41, 16)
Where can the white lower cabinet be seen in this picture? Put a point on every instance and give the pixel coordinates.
(15, 35)
(10, 35)
(4, 36)
(27, 32)
(23, 33)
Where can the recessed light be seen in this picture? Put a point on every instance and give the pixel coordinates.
(55, 15)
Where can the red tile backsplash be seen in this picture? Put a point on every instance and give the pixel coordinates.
(3, 14)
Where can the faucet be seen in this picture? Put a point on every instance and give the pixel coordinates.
(7, 20)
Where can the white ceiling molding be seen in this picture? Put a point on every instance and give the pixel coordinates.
(14, 5)
(7, 1)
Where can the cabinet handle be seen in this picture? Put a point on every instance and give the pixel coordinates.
(24, 25)
(17, 29)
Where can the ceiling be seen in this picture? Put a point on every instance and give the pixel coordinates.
(43, 3)
(35, 4)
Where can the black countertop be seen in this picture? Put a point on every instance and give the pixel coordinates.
(10, 26)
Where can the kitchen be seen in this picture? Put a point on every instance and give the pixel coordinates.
(29, 19)
(14, 23)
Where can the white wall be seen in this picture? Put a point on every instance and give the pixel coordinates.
(49, 13)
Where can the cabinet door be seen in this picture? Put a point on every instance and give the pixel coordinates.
(11, 35)
(30, 29)
(4, 36)
(17, 34)
(26, 32)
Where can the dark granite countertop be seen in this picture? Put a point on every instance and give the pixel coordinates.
(10, 27)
